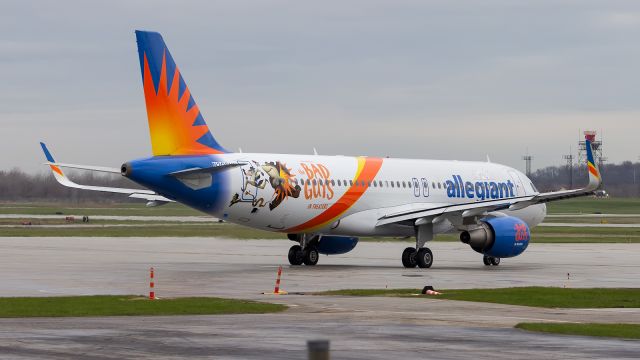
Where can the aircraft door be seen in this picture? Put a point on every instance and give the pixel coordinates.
(416, 187)
(425, 187)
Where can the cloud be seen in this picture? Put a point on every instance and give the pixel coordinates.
(440, 79)
(620, 20)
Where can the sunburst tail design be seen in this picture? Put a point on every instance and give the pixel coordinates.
(176, 125)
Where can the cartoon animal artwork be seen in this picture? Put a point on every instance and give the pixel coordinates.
(255, 178)
(252, 180)
(281, 180)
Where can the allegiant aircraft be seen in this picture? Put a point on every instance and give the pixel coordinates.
(322, 203)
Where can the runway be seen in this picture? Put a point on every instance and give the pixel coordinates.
(378, 328)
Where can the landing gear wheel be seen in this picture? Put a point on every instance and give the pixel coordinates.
(311, 256)
(424, 258)
(409, 257)
(295, 255)
(486, 260)
(495, 261)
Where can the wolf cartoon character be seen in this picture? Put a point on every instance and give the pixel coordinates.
(280, 179)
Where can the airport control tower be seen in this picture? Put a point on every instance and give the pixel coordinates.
(597, 149)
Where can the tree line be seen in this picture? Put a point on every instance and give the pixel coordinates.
(620, 180)
(18, 186)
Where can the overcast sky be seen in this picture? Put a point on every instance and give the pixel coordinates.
(419, 79)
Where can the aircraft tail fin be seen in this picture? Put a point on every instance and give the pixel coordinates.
(176, 125)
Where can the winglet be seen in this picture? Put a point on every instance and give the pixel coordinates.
(57, 172)
(47, 154)
(595, 179)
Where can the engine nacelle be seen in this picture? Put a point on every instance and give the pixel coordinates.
(499, 237)
(335, 245)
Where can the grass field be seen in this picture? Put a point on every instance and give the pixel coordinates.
(548, 297)
(124, 209)
(150, 230)
(626, 331)
(232, 231)
(169, 227)
(226, 230)
(590, 205)
(586, 205)
(127, 305)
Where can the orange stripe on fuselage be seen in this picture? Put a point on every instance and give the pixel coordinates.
(367, 170)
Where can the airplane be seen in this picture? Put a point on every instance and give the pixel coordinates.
(322, 203)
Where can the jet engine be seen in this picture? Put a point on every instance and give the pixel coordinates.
(499, 237)
(335, 245)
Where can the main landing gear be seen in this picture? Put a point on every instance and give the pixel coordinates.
(419, 256)
(306, 253)
(490, 260)
(422, 258)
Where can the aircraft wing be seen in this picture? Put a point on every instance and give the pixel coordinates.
(479, 208)
(64, 180)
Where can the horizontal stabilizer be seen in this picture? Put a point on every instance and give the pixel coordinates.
(216, 167)
(86, 167)
(65, 181)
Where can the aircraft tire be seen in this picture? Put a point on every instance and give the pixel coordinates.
(495, 261)
(424, 258)
(486, 260)
(295, 255)
(311, 256)
(409, 258)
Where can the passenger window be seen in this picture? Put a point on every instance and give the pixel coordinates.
(398, 183)
(392, 184)
(339, 183)
(433, 184)
(439, 185)
(362, 182)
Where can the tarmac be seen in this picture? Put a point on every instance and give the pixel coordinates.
(371, 327)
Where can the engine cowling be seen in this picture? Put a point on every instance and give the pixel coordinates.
(335, 245)
(499, 237)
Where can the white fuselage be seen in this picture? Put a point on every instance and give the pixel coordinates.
(347, 195)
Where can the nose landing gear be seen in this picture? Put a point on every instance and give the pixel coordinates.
(490, 260)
